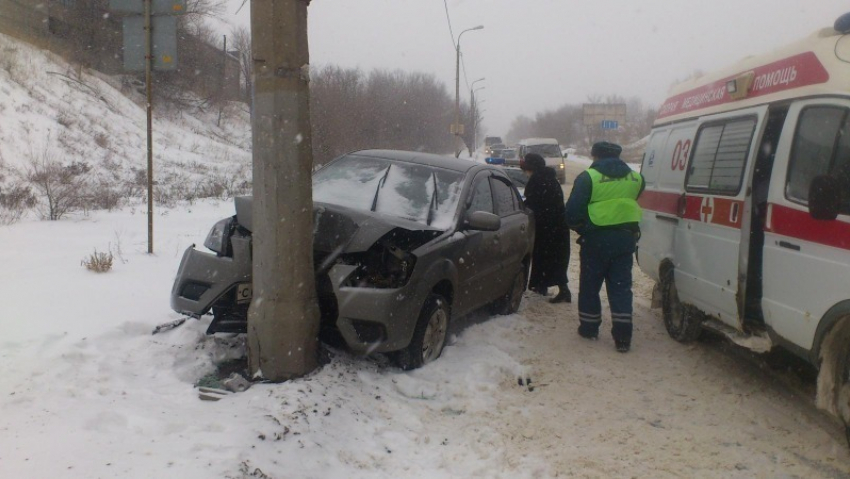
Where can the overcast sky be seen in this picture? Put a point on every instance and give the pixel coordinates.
(540, 54)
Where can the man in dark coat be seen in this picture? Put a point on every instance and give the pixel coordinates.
(551, 257)
(603, 210)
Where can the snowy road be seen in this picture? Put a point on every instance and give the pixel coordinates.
(86, 391)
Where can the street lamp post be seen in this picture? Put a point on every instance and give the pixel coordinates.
(457, 88)
(472, 113)
(475, 115)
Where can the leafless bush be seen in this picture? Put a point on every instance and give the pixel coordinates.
(65, 119)
(103, 196)
(101, 140)
(63, 188)
(98, 262)
(15, 201)
(9, 60)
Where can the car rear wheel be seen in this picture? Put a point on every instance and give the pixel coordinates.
(510, 302)
(430, 334)
(683, 321)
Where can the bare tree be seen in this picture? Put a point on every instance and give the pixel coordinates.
(382, 109)
(62, 188)
(241, 41)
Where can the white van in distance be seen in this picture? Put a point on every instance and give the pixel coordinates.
(549, 149)
(746, 221)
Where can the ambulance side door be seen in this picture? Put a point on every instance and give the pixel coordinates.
(708, 239)
(663, 170)
(807, 261)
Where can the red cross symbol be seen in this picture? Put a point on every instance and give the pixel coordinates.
(706, 210)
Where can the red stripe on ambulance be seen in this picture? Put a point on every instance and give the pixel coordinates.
(714, 210)
(799, 224)
(659, 201)
(793, 72)
(706, 209)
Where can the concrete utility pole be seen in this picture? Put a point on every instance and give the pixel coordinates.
(457, 129)
(283, 320)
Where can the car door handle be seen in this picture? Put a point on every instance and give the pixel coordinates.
(669, 219)
(791, 246)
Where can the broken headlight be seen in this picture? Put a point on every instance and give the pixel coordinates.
(383, 266)
(218, 239)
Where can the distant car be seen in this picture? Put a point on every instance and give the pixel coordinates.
(510, 156)
(549, 149)
(403, 242)
(492, 140)
(489, 149)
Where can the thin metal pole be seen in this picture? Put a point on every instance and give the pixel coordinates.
(457, 99)
(149, 88)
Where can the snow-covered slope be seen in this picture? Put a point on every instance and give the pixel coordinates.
(49, 108)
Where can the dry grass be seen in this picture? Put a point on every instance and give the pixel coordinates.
(98, 262)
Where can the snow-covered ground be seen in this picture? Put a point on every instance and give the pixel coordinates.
(87, 391)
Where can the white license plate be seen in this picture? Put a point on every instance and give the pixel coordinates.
(244, 292)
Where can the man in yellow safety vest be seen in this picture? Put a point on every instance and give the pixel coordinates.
(603, 210)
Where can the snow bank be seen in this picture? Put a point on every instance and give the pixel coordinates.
(48, 109)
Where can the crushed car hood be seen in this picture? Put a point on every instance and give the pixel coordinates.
(342, 230)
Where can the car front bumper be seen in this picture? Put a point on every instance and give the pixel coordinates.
(203, 278)
(368, 319)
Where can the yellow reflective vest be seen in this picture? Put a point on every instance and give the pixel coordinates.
(614, 200)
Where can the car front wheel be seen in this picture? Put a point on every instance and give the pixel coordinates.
(430, 334)
(683, 321)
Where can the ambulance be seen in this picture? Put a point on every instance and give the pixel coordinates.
(746, 212)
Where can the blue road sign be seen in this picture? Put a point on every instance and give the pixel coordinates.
(610, 125)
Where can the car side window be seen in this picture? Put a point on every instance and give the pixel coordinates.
(821, 146)
(482, 197)
(505, 200)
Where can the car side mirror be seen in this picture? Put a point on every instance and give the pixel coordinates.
(824, 198)
(483, 221)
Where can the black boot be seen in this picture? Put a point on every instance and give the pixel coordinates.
(541, 290)
(564, 296)
(622, 346)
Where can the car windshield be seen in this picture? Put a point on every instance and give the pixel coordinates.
(546, 151)
(509, 154)
(517, 176)
(419, 193)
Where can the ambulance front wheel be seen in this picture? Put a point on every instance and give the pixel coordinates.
(833, 393)
(683, 321)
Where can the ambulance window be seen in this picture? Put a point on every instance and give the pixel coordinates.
(719, 157)
(821, 146)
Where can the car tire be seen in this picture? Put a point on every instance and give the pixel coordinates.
(833, 385)
(510, 302)
(683, 321)
(429, 337)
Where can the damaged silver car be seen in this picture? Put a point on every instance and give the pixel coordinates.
(403, 242)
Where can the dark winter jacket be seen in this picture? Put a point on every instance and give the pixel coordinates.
(544, 196)
(576, 207)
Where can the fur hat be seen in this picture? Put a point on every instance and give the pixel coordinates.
(604, 149)
(533, 162)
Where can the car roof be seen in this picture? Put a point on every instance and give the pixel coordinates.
(429, 159)
(539, 141)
